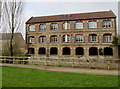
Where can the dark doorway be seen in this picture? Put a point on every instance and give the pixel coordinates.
(42, 51)
(79, 51)
(108, 51)
(30, 50)
(53, 51)
(66, 51)
(93, 51)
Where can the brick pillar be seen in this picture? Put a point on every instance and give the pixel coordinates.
(99, 24)
(101, 38)
(86, 24)
(36, 50)
(60, 26)
(37, 27)
(59, 51)
(72, 25)
(72, 50)
(73, 38)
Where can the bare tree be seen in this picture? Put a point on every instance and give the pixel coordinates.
(12, 18)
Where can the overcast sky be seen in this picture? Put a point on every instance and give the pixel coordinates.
(55, 7)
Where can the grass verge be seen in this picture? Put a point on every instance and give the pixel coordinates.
(25, 77)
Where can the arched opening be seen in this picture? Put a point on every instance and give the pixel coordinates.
(31, 39)
(79, 51)
(108, 51)
(53, 51)
(93, 51)
(107, 37)
(42, 51)
(66, 51)
(30, 50)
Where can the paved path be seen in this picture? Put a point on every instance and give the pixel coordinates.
(75, 70)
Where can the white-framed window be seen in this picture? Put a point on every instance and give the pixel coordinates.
(107, 24)
(93, 38)
(66, 25)
(79, 25)
(79, 38)
(54, 26)
(31, 39)
(42, 27)
(107, 37)
(42, 39)
(92, 24)
(66, 38)
(32, 28)
(53, 39)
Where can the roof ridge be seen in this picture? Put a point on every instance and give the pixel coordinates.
(63, 17)
(71, 14)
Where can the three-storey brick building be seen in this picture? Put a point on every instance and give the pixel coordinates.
(84, 34)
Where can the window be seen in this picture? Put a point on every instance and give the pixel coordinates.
(92, 24)
(79, 25)
(53, 51)
(31, 39)
(66, 26)
(107, 37)
(66, 51)
(79, 51)
(93, 51)
(42, 27)
(108, 51)
(54, 26)
(42, 51)
(93, 38)
(66, 38)
(79, 38)
(53, 39)
(30, 50)
(107, 24)
(42, 39)
(32, 28)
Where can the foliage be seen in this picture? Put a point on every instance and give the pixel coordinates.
(115, 41)
(25, 77)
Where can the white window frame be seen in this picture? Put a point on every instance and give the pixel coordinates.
(42, 27)
(42, 39)
(31, 39)
(107, 37)
(53, 39)
(79, 25)
(66, 38)
(92, 24)
(93, 38)
(107, 24)
(32, 28)
(80, 38)
(66, 26)
(54, 26)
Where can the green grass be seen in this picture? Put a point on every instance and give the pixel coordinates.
(25, 77)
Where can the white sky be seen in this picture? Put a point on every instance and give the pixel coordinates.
(55, 7)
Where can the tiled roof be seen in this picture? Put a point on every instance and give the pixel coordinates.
(80, 16)
(7, 36)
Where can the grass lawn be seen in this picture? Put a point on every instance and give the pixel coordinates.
(25, 77)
